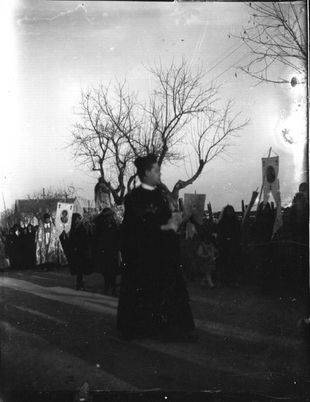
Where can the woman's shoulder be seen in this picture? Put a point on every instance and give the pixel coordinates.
(133, 193)
(139, 195)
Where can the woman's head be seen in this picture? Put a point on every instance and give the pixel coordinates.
(76, 219)
(109, 216)
(303, 188)
(299, 202)
(228, 211)
(148, 169)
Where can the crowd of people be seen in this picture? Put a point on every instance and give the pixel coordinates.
(28, 246)
(230, 250)
(226, 250)
(20, 246)
(87, 248)
(148, 258)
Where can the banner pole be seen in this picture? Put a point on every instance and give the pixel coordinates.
(261, 189)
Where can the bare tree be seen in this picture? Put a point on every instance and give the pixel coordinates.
(276, 36)
(115, 128)
(211, 135)
(7, 218)
(107, 137)
(183, 106)
(61, 192)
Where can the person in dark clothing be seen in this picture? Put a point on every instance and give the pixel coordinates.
(153, 297)
(8, 245)
(107, 248)
(229, 246)
(262, 234)
(299, 219)
(295, 266)
(29, 246)
(264, 223)
(14, 247)
(23, 246)
(78, 251)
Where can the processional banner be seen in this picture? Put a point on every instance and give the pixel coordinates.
(63, 217)
(194, 203)
(270, 167)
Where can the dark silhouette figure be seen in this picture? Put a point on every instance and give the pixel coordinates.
(14, 249)
(229, 246)
(29, 245)
(106, 244)
(153, 297)
(76, 246)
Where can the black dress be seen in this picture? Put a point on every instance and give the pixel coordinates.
(106, 248)
(76, 247)
(30, 248)
(153, 296)
(229, 242)
(14, 249)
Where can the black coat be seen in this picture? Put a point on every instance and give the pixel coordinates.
(77, 249)
(29, 246)
(14, 250)
(153, 294)
(106, 245)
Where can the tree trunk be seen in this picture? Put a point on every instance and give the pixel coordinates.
(181, 184)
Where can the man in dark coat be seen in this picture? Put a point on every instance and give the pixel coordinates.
(29, 245)
(77, 250)
(229, 242)
(13, 247)
(106, 246)
(153, 297)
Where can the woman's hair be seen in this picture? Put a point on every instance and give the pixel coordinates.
(303, 187)
(144, 163)
(75, 218)
(46, 216)
(225, 214)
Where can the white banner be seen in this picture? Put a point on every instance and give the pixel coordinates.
(271, 184)
(63, 217)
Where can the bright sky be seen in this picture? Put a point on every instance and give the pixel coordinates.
(57, 48)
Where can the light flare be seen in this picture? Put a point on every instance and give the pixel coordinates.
(291, 129)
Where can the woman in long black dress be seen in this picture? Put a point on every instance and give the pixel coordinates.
(15, 249)
(77, 250)
(106, 248)
(30, 247)
(153, 296)
(229, 242)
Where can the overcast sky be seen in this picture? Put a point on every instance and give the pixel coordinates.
(55, 49)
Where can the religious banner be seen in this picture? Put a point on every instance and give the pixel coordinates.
(270, 168)
(63, 217)
(271, 185)
(195, 204)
